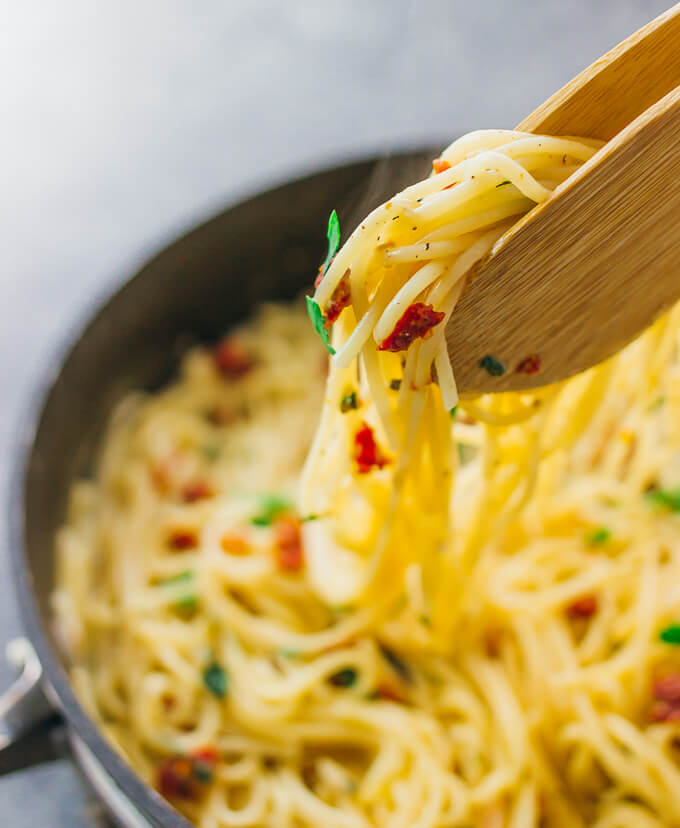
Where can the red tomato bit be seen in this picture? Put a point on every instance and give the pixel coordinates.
(339, 300)
(197, 490)
(529, 365)
(366, 450)
(416, 321)
(389, 692)
(321, 273)
(584, 607)
(220, 415)
(231, 358)
(666, 707)
(175, 778)
(289, 552)
(183, 777)
(439, 165)
(183, 539)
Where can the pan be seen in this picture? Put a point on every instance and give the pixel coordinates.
(264, 248)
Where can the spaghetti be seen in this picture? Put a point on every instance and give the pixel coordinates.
(456, 613)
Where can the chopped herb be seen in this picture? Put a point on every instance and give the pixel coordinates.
(671, 635)
(316, 316)
(492, 366)
(598, 536)
(452, 412)
(400, 667)
(333, 236)
(425, 620)
(658, 402)
(288, 652)
(181, 578)
(395, 384)
(502, 184)
(349, 402)
(187, 603)
(272, 506)
(216, 680)
(203, 771)
(211, 452)
(344, 678)
(308, 518)
(665, 498)
(341, 609)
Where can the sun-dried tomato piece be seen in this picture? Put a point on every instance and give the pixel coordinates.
(196, 490)
(208, 753)
(389, 692)
(220, 415)
(339, 300)
(529, 365)
(666, 707)
(416, 322)
(175, 778)
(184, 777)
(662, 711)
(584, 607)
(322, 272)
(366, 451)
(232, 360)
(668, 689)
(439, 165)
(289, 551)
(183, 539)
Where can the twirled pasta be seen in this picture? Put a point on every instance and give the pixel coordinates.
(453, 622)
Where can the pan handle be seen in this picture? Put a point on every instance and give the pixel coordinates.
(29, 724)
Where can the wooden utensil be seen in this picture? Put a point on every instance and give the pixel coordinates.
(586, 271)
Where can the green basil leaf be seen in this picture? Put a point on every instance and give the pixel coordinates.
(316, 316)
(333, 236)
(671, 635)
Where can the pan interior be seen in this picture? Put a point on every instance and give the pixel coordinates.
(265, 248)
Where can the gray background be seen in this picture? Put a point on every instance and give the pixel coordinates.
(123, 123)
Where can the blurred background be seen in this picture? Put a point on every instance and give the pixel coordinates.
(124, 123)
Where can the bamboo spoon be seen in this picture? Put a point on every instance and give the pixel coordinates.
(587, 270)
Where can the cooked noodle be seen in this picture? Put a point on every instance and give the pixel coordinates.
(463, 619)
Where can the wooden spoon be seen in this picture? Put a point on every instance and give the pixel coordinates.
(586, 271)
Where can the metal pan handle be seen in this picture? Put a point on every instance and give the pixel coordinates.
(31, 730)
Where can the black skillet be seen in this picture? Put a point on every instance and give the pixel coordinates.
(267, 247)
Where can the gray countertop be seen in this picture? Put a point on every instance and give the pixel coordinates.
(124, 123)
